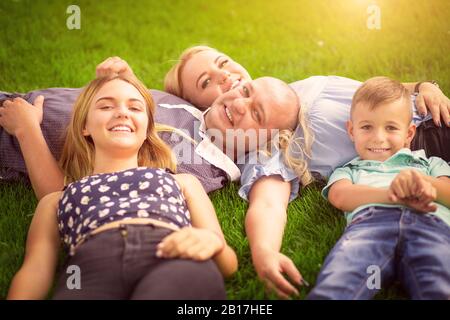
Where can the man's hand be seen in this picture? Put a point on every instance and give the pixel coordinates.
(433, 98)
(271, 267)
(18, 115)
(410, 188)
(113, 66)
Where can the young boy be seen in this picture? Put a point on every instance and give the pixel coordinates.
(396, 203)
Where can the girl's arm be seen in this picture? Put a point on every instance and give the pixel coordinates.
(35, 277)
(22, 119)
(185, 244)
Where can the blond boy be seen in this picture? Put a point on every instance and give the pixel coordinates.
(396, 203)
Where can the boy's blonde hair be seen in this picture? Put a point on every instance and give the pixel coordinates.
(172, 80)
(78, 155)
(380, 90)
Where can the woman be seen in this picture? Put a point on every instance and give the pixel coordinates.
(125, 221)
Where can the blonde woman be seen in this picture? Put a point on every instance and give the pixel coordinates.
(134, 229)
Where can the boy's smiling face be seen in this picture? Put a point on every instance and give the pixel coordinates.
(380, 132)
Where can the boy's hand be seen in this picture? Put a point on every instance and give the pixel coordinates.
(403, 186)
(410, 188)
(18, 115)
(418, 205)
(113, 66)
(190, 243)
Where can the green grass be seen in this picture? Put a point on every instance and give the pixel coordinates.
(290, 40)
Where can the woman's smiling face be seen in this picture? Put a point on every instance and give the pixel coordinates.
(208, 74)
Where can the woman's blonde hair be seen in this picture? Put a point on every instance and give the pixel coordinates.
(78, 155)
(297, 150)
(172, 80)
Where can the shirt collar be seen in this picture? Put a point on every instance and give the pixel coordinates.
(208, 150)
(202, 128)
(418, 156)
(214, 155)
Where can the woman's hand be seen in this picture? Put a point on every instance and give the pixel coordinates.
(18, 115)
(190, 243)
(432, 98)
(113, 66)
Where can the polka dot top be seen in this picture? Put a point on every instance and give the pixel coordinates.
(96, 200)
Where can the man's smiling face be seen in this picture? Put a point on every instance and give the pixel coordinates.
(254, 108)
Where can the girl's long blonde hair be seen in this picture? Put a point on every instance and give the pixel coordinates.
(78, 155)
(172, 80)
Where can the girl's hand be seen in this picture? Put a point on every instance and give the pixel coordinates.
(18, 115)
(113, 66)
(434, 99)
(190, 243)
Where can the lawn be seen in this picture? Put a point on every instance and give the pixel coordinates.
(290, 40)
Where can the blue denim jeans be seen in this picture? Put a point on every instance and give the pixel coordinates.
(381, 245)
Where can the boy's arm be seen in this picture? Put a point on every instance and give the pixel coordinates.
(425, 188)
(35, 277)
(442, 186)
(346, 196)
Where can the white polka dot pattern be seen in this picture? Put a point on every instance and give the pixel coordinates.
(99, 199)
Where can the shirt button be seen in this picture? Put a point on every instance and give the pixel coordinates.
(124, 233)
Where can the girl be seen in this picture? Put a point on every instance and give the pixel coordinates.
(134, 230)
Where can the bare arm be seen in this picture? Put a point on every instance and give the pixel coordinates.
(264, 225)
(35, 277)
(22, 119)
(204, 217)
(45, 174)
(347, 196)
(442, 185)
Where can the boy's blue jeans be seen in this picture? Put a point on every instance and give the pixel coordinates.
(382, 244)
